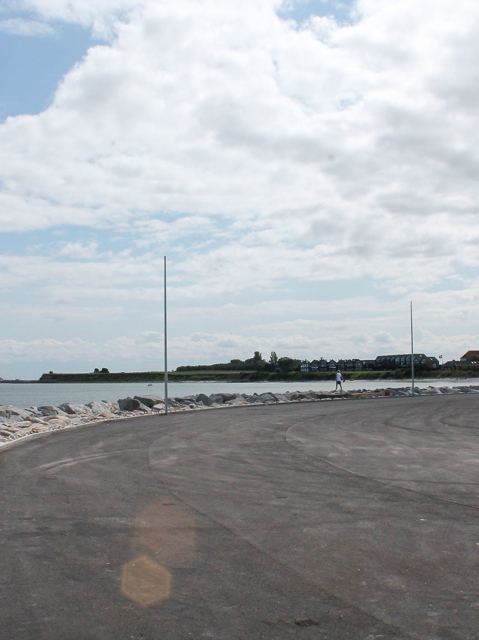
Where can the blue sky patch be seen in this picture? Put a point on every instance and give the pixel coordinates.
(302, 9)
(32, 67)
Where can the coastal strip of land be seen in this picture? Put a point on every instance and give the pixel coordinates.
(246, 375)
(17, 423)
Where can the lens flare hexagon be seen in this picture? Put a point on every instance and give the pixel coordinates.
(144, 582)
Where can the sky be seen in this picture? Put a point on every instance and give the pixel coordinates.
(308, 167)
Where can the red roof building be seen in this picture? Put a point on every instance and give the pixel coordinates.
(470, 355)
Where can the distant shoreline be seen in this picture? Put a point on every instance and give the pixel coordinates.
(240, 376)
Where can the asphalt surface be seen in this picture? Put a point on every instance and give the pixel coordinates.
(345, 520)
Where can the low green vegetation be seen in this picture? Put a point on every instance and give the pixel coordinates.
(254, 364)
(97, 376)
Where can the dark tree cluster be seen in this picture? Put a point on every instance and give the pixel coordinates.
(256, 363)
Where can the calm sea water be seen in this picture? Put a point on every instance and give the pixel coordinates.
(35, 394)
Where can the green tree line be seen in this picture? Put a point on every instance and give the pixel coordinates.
(256, 363)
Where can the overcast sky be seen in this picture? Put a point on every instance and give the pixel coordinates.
(308, 168)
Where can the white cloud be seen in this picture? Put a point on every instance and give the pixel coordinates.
(20, 27)
(183, 111)
(78, 250)
(203, 348)
(40, 350)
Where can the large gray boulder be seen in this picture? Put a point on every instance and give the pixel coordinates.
(75, 409)
(267, 397)
(100, 409)
(237, 402)
(50, 410)
(302, 395)
(309, 395)
(295, 395)
(216, 398)
(184, 400)
(201, 397)
(7, 411)
(129, 404)
(149, 401)
(68, 408)
(227, 396)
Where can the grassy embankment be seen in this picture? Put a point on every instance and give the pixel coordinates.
(248, 376)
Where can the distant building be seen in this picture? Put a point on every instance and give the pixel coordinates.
(470, 360)
(322, 365)
(470, 356)
(450, 364)
(314, 366)
(382, 363)
(403, 360)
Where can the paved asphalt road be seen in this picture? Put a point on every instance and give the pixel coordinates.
(346, 520)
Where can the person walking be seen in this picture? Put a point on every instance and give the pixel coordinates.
(339, 381)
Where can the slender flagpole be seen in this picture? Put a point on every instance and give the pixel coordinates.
(166, 345)
(412, 353)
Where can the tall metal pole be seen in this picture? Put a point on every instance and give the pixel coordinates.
(412, 353)
(166, 345)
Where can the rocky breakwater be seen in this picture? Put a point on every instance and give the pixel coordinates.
(430, 391)
(18, 423)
